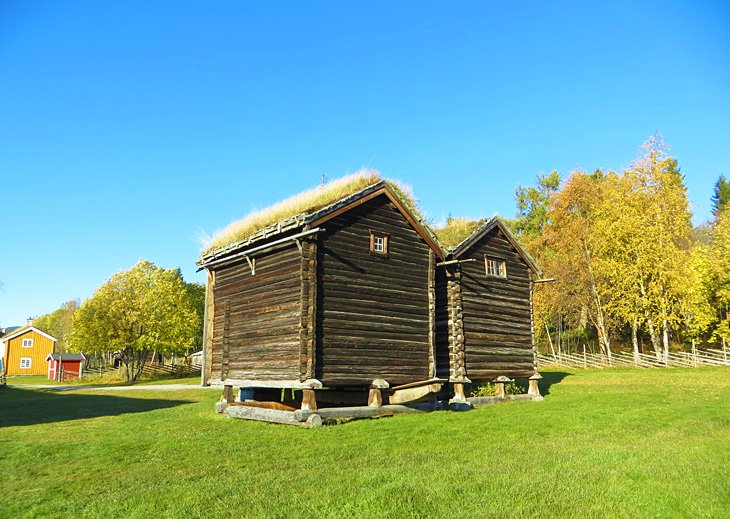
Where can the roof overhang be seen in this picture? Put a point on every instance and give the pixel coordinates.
(69, 357)
(18, 333)
(314, 220)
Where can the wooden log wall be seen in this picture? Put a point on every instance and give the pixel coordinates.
(308, 310)
(443, 330)
(372, 311)
(456, 338)
(256, 318)
(496, 312)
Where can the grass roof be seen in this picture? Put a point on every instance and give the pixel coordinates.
(302, 204)
(456, 230)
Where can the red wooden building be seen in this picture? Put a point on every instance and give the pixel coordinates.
(62, 366)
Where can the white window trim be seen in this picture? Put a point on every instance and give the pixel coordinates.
(499, 269)
(30, 343)
(29, 362)
(379, 243)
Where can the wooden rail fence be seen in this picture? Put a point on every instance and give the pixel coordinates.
(677, 359)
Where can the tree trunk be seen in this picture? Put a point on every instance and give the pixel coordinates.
(133, 361)
(550, 340)
(635, 339)
(655, 343)
(665, 340)
(604, 340)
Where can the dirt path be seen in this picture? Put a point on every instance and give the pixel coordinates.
(155, 387)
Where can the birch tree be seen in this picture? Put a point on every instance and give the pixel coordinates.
(140, 310)
(571, 234)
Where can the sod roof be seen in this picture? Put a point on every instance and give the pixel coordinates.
(455, 231)
(298, 209)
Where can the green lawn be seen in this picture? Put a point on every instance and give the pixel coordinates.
(611, 443)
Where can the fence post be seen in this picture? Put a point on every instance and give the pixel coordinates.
(585, 362)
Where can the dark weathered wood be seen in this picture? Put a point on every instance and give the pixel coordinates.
(495, 313)
(431, 314)
(226, 339)
(262, 330)
(374, 312)
(227, 396)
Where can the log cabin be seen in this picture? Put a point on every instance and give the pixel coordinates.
(484, 318)
(333, 288)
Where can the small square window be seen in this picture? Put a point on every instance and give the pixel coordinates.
(495, 267)
(27, 343)
(378, 243)
(25, 362)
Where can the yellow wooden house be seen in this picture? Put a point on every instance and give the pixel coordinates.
(24, 351)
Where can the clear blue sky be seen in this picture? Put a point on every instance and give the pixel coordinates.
(127, 128)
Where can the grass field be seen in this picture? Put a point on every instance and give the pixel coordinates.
(611, 443)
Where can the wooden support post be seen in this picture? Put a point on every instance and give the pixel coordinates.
(499, 383)
(309, 400)
(533, 388)
(375, 398)
(227, 395)
(459, 395)
(206, 370)
(431, 314)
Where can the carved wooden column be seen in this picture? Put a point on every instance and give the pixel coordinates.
(375, 398)
(533, 388)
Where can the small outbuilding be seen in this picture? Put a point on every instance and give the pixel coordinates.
(62, 366)
(484, 303)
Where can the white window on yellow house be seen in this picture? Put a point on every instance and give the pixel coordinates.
(27, 343)
(495, 267)
(25, 362)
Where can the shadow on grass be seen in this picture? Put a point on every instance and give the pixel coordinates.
(20, 407)
(549, 378)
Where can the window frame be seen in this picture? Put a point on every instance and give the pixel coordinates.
(500, 267)
(386, 243)
(29, 362)
(30, 341)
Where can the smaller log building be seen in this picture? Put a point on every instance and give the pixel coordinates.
(484, 301)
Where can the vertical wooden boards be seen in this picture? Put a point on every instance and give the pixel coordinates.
(372, 311)
(206, 368)
(496, 311)
(308, 310)
(431, 314)
(443, 330)
(262, 329)
(225, 360)
(532, 324)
